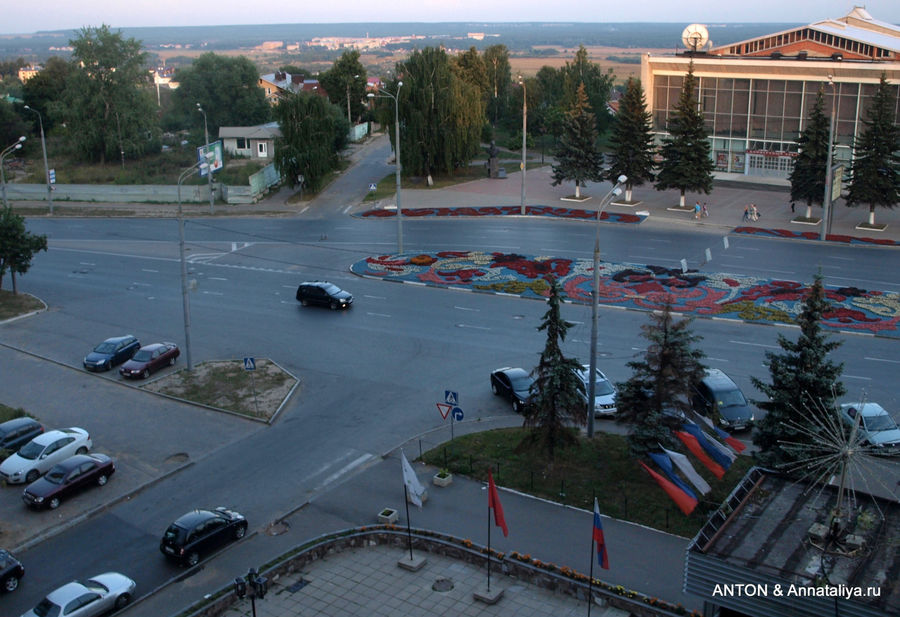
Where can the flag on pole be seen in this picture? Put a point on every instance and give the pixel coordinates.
(691, 442)
(494, 503)
(414, 488)
(737, 444)
(602, 559)
(682, 462)
(684, 501)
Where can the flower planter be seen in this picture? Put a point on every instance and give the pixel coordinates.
(445, 479)
(388, 516)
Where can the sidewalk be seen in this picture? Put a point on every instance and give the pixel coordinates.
(641, 559)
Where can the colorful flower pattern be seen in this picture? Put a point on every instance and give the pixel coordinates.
(567, 213)
(812, 235)
(643, 287)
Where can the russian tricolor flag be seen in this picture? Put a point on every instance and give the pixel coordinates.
(602, 558)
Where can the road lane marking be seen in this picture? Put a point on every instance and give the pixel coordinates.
(462, 325)
(375, 297)
(856, 377)
(755, 344)
(716, 359)
(213, 293)
(881, 360)
(148, 270)
(465, 308)
(216, 278)
(378, 314)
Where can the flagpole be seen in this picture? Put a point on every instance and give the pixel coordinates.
(408, 528)
(591, 573)
(489, 543)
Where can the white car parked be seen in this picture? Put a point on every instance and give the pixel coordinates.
(37, 456)
(876, 426)
(95, 596)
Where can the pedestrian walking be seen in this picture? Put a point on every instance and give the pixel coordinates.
(792, 207)
(746, 216)
(705, 210)
(697, 210)
(754, 213)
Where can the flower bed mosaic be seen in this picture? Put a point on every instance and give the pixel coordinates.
(559, 212)
(812, 235)
(642, 287)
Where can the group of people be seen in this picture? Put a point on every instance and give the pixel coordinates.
(700, 210)
(750, 213)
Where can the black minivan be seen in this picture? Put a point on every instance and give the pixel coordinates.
(718, 396)
(323, 293)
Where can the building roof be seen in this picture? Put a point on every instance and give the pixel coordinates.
(857, 26)
(285, 82)
(269, 130)
(773, 530)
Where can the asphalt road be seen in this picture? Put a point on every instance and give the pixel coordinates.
(370, 376)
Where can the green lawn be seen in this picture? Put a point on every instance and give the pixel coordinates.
(12, 305)
(600, 467)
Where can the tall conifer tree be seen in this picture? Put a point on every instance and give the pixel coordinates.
(875, 174)
(804, 385)
(578, 156)
(687, 164)
(632, 140)
(808, 175)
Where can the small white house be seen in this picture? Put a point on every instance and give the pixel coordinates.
(254, 142)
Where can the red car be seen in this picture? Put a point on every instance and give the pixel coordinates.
(68, 477)
(150, 358)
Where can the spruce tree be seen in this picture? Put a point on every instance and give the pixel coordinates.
(687, 164)
(808, 175)
(577, 156)
(804, 385)
(875, 173)
(661, 383)
(632, 140)
(556, 402)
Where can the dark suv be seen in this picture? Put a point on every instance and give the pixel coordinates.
(17, 432)
(111, 352)
(11, 571)
(200, 532)
(323, 293)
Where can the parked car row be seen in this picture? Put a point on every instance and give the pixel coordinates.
(136, 361)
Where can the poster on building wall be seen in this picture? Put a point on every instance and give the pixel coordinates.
(722, 161)
(737, 162)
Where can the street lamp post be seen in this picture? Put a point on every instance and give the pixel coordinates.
(11, 148)
(524, 133)
(208, 171)
(396, 99)
(46, 167)
(253, 585)
(349, 81)
(595, 304)
(826, 201)
(185, 300)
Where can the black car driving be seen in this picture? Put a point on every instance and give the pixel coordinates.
(323, 293)
(111, 352)
(514, 384)
(200, 532)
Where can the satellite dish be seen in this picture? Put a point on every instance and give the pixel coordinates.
(695, 36)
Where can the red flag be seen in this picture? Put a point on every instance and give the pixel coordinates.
(602, 559)
(494, 502)
(685, 502)
(694, 446)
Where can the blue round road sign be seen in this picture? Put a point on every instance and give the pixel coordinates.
(457, 414)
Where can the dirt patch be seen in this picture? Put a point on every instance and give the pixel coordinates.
(226, 385)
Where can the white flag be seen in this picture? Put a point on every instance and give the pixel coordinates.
(682, 462)
(414, 489)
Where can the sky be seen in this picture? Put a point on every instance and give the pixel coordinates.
(19, 17)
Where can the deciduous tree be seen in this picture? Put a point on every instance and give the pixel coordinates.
(227, 90)
(875, 173)
(632, 140)
(345, 83)
(17, 246)
(556, 403)
(687, 165)
(313, 133)
(110, 112)
(804, 383)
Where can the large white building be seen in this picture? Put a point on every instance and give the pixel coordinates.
(756, 95)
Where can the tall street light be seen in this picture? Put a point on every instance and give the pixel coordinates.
(524, 133)
(595, 304)
(395, 97)
(208, 171)
(185, 300)
(349, 81)
(46, 167)
(826, 201)
(12, 148)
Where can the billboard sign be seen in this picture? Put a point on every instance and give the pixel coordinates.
(218, 160)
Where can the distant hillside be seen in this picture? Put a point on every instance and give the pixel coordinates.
(518, 37)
